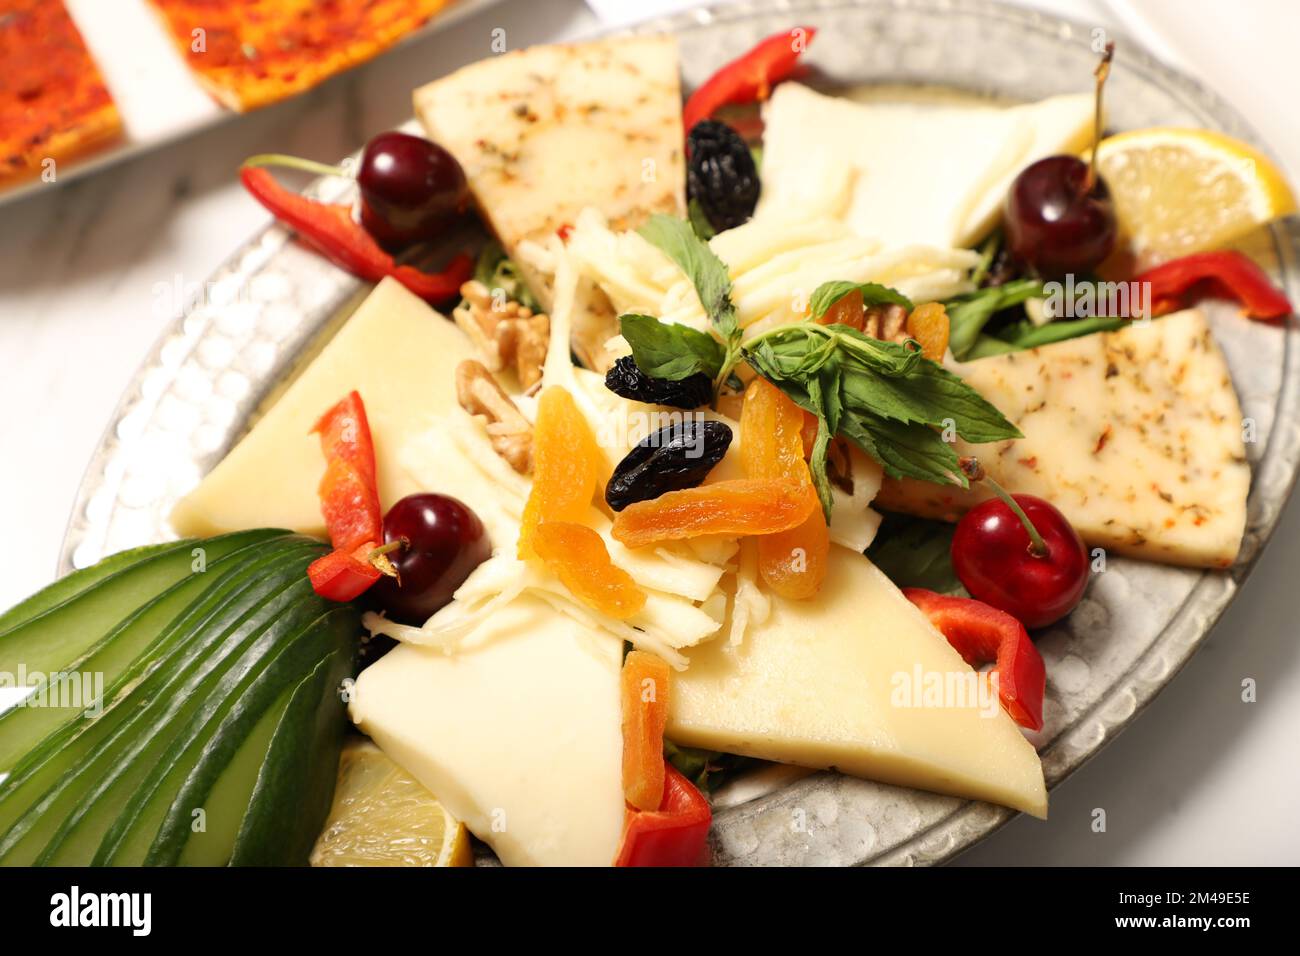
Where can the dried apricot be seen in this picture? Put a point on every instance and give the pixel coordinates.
(739, 506)
(809, 433)
(792, 562)
(644, 686)
(568, 465)
(579, 556)
(928, 324)
(771, 427)
(848, 310)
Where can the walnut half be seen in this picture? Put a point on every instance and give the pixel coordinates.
(507, 334)
(886, 322)
(511, 435)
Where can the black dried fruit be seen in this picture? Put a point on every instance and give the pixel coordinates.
(676, 457)
(720, 174)
(626, 379)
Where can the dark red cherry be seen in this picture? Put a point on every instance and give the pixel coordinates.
(442, 541)
(1056, 222)
(999, 564)
(411, 188)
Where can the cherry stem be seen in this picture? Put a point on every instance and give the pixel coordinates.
(1102, 71)
(378, 557)
(972, 469)
(296, 162)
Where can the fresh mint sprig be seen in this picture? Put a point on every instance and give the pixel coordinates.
(885, 397)
(873, 293)
(676, 239)
(671, 350)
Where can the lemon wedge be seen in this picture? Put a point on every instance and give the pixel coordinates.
(1179, 191)
(382, 816)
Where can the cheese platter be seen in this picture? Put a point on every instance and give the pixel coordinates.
(838, 655)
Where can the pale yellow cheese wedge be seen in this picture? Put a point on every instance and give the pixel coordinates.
(906, 173)
(1135, 435)
(823, 684)
(544, 132)
(518, 737)
(400, 355)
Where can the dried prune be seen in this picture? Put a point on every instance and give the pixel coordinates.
(625, 379)
(721, 175)
(675, 457)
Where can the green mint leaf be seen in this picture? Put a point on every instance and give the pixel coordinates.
(699, 222)
(669, 350)
(903, 450)
(1025, 335)
(824, 399)
(929, 395)
(828, 293)
(888, 358)
(969, 313)
(677, 240)
(916, 553)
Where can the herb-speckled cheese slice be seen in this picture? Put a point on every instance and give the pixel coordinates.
(545, 132)
(1135, 435)
(824, 683)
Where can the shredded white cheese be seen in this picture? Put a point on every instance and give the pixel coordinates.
(750, 604)
(774, 267)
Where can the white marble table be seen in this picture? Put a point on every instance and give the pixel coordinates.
(88, 274)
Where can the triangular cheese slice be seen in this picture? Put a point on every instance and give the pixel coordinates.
(906, 174)
(1135, 435)
(548, 131)
(400, 355)
(517, 735)
(846, 681)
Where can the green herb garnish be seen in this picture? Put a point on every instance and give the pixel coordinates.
(969, 313)
(873, 293)
(496, 270)
(706, 769)
(677, 240)
(916, 553)
(897, 406)
(671, 350)
(699, 222)
(884, 397)
(1025, 335)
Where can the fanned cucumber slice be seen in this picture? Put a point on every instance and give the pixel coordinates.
(71, 585)
(178, 783)
(211, 835)
(77, 761)
(51, 639)
(328, 647)
(23, 727)
(127, 774)
(224, 696)
(300, 770)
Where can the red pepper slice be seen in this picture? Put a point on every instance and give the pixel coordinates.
(349, 493)
(982, 634)
(349, 500)
(342, 575)
(1228, 273)
(330, 229)
(749, 77)
(674, 835)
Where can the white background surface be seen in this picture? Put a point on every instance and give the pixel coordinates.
(1201, 778)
